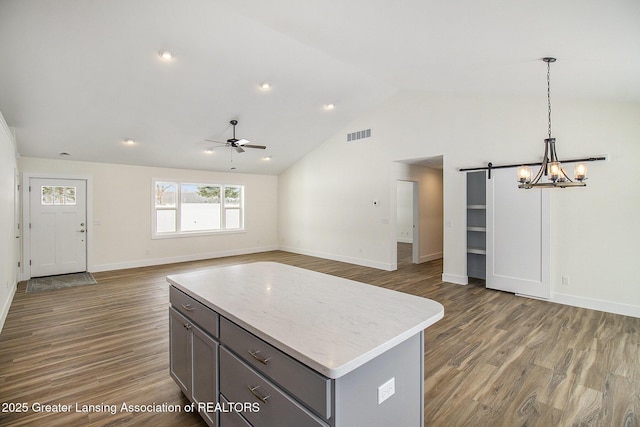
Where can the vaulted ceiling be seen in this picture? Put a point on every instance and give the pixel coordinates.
(80, 77)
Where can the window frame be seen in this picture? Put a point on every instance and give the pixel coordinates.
(178, 210)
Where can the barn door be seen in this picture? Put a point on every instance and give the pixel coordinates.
(518, 244)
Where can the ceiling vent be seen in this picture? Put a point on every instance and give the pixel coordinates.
(353, 136)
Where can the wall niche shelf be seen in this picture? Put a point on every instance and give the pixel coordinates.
(476, 225)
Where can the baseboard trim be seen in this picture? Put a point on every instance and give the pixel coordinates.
(452, 278)
(7, 306)
(431, 257)
(594, 304)
(340, 258)
(183, 258)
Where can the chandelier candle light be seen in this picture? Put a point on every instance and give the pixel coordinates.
(551, 166)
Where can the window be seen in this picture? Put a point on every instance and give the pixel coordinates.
(57, 195)
(194, 209)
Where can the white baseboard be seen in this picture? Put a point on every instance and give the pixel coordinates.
(183, 258)
(431, 257)
(594, 304)
(5, 308)
(452, 278)
(340, 258)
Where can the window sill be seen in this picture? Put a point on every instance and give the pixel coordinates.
(195, 234)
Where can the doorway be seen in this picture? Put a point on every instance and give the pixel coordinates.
(56, 224)
(421, 182)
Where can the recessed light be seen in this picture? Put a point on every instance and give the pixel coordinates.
(129, 141)
(265, 86)
(329, 106)
(166, 55)
(267, 158)
(209, 150)
(64, 154)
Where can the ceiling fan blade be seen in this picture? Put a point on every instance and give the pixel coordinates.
(239, 149)
(261, 147)
(216, 142)
(242, 141)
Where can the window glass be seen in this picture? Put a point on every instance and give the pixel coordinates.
(166, 193)
(200, 207)
(166, 221)
(57, 195)
(232, 207)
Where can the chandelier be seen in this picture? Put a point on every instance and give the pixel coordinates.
(551, 168)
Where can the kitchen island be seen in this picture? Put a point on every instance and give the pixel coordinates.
(267, 344)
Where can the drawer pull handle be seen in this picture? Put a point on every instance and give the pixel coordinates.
(254, 354)
(260, 398)
(188, 307)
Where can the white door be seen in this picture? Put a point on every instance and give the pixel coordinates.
(58, 218)
(517, 236)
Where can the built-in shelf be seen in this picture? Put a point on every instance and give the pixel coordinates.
(476, 224)
(477, 251)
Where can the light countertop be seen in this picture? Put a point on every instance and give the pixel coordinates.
(331, 324)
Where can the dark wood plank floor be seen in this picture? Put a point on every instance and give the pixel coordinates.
(494, 360)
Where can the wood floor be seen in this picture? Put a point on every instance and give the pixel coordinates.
(494, 360)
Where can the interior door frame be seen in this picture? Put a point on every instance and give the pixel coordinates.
(25, 272)
(16, 223)
(415, 212)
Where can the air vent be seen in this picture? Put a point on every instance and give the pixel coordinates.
(353, 136)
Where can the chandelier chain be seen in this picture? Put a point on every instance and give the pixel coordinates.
(549, 94)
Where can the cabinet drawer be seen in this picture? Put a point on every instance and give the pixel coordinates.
(199, 314)
(230, 418)
(240, 383)
(305, 384)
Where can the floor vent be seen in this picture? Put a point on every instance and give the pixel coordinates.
(353, 136)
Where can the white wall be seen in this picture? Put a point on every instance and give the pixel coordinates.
(8, 256)
(120, 226)
(594, 230)
(326, 204)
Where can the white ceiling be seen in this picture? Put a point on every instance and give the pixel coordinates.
(80, 76)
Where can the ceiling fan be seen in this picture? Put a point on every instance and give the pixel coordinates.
(237, 144)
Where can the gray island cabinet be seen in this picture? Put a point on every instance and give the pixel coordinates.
(267, 344)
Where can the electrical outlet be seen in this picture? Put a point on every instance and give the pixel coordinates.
(565, 280)
(386, 390)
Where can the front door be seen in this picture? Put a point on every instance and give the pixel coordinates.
(58, 218)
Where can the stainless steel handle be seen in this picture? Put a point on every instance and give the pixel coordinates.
(188, 307)
(263, 399)
(254, 354)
